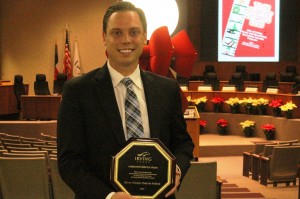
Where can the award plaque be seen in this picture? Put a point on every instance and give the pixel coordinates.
(144, 168)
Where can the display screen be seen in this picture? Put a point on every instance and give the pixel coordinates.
(248, 30)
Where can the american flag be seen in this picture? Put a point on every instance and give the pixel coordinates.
(55, 62)
(67, 59)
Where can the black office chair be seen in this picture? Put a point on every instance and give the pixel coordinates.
(269, 82)
(41, 86)
(242, 69)
(208, 69)
(289, 74)
(254, 77)
(237, 80)
(59, 83)
(296, 86)
(19, 89)
(212, 79)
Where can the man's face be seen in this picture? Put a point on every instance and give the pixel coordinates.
(124, 39)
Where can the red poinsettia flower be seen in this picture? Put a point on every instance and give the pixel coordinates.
(268, 127)
(202, 123)
(217, 100)
(276, 103)
(222, 123)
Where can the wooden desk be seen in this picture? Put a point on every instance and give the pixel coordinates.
(8, 100)
(40, 107)
(193, 85)
(193, 129)
(284, 87)
(226, 95)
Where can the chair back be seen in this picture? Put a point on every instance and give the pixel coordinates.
(24, 177)
(259, 147)
(209, 69)
(270, 81)
(59, 83)
(19, 89)
(284, 163)
(60, 189)
(237, 80)
(41, 86)
(212, 79)
(291, 69)
(200, 182)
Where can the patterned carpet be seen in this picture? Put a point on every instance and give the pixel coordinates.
(233, 191)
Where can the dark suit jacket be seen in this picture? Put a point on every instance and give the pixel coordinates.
(90, 129)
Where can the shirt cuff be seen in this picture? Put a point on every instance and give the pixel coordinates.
(110, 195)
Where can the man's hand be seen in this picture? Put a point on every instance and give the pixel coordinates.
(177, 182)
(122, 195)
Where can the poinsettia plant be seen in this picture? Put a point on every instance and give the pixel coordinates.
(267, 128)
(248, 124)
(289, 106)
(200, 100)
(202, 123)
(217, 100)
(222, 123)
(276, 103)
(232, 101)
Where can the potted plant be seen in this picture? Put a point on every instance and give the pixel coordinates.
(248, 104)
(234, 104)
(202, 124)
(288, 109)
(269, 131)
(222, 126)
(262, 105)
(275, 105)
(248, 127)
(217, 103)
(200, 103)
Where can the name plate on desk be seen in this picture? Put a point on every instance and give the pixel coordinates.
(272, 90)
(144, 168)
(229, 88)
(184, 88)
(204, 88)
(251, 89)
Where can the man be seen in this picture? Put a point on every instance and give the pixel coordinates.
(91, 121)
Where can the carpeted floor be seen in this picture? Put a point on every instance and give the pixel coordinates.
(230, 168)
(230, 190)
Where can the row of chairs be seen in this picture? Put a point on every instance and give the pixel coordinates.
(285, 76)
(240, 75)
(273, 162)
(29, 168)
(41, 86)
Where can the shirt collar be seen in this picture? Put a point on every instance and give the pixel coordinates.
(116, 77)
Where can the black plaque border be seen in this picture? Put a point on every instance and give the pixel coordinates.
(163, 151)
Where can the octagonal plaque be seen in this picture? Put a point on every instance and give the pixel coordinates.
(144, 168)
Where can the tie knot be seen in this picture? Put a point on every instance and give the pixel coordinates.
(126, 81)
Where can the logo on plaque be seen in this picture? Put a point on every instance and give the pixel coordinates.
(144, 168)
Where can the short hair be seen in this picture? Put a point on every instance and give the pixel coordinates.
(124, 6)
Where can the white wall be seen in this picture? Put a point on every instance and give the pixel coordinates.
(29, 29)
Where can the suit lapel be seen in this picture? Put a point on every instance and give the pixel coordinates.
(152, 105)
(106, 95)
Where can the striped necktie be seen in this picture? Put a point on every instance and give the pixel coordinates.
(134, 125)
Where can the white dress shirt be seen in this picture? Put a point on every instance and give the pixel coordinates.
(120, 93)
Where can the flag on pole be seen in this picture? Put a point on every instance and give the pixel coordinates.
(76, 63)
(55, 62)
(67, 59)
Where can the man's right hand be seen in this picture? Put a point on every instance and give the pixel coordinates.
(122, 195)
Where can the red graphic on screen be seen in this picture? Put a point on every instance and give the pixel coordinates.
(248, 28)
